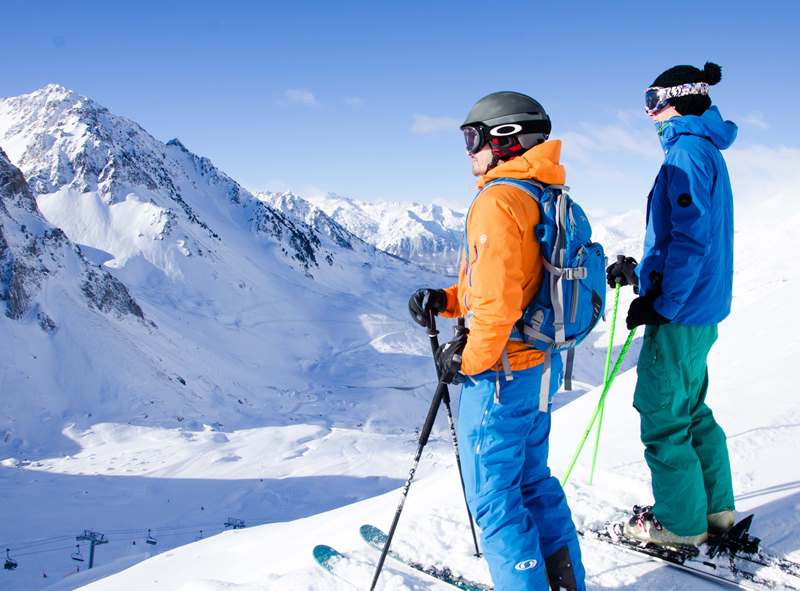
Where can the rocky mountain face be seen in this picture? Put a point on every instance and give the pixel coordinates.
(34, 256)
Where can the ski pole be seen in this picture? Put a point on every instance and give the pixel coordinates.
(605, 379)
(441, 388)
(434, 338)
(606, 388)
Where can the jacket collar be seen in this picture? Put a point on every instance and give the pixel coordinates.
(709, 125)
(541, 162)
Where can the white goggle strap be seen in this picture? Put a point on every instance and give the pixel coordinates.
(682, 90)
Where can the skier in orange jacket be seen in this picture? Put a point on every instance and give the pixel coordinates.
(528, 536)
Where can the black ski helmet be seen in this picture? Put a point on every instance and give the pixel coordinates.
(506, 118)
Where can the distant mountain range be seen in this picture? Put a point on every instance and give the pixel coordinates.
(427, 234)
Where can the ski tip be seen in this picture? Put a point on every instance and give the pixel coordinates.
(326, 556)
(372, 534)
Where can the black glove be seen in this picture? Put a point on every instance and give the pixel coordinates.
(448, 360)
(424, 301)
(624, 272)
(642, 312)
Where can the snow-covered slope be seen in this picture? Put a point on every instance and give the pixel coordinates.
(754, 401)
(430, 235)
(244, 303)
(197, 311)
(50, 294)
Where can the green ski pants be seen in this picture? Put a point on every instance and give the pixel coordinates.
(684, 446)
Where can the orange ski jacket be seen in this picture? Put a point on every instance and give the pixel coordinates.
(505, 265)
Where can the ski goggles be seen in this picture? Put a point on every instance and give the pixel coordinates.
(477, 136)
(474, 137)
(656, 98)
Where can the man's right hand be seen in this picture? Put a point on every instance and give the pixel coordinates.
(424, 301)
(623, 272)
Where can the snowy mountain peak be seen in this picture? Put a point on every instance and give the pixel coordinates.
(55, 96)
(294, 205)
(112, 186)
(427, 234)
(54, 89)
(178, 144)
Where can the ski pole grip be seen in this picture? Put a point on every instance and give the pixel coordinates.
(432, 332)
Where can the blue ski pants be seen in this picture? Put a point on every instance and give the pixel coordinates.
(520, 508)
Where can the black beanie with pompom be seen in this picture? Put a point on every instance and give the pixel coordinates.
(693, 104)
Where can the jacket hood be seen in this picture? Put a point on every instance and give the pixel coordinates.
(709, 125)
(540, 163)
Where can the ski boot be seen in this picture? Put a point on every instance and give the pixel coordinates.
(719, 523)
(645, 527)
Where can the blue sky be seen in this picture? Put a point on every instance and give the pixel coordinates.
(364, 98)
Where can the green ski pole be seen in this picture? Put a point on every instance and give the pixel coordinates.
(606, 388)
(605, 379)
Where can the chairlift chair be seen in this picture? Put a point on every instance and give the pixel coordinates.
(234, 523)
(10, 563)
(77, 556)
(150, 539)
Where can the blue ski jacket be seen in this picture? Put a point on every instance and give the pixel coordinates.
(688, 248)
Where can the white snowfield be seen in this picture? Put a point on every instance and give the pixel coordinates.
(284, 389)
(753, 398)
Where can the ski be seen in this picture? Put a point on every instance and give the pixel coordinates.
(376, 538)
(347, 569)
(329, 558)
(688, 559)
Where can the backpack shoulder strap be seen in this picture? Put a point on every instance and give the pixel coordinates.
(533, 188)
(529, 186)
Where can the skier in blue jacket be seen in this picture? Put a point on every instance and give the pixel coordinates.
(684, 284)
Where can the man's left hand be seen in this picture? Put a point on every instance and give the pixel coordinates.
(642, 312)
(448, 360)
